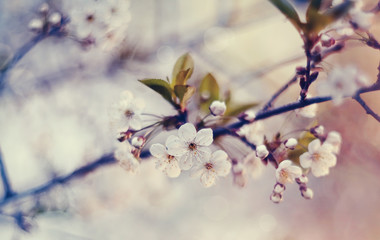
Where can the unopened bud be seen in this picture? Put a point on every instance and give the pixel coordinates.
(55, 19)
(44, 8)
(262, 151)
(302, 179)
(36, 25)
(291, 143)
(327, 41)
(138, 142)
(279, 188)
(307, 193)
(218, 108)
(276, 197)
(249, 116)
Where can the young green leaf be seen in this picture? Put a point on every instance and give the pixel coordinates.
(313, 9)
(208, 91)
(317, 21)
(288, 10)
(184, 93)
(161, 87)
(182, 70)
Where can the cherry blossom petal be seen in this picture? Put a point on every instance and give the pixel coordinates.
(172, 169)
(314, 146)
(208, 179)
(204, 137)
(187, 132)
(158, 150)
(306, 160)
(186, 161)
(176, 146)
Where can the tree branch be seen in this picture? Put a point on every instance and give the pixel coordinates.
(8, 192)
(80, 172)
(368, 110)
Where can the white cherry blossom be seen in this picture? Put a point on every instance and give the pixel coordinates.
(127, 113)
(254, 132)
(211, 168)
(319, 158)
(126, 159)
(308, 111)
(335, 140)
(165, 162)
(287, 172)
(190, 146)
(342, 82)
(218, 108)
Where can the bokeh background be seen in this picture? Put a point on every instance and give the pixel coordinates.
(54, 118)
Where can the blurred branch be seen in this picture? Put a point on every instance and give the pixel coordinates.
(80, 172)
(4, 177)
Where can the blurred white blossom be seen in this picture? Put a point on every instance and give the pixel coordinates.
(287, 172)
(126, 159)
(126, 113)
(319, 158)
(342, 82)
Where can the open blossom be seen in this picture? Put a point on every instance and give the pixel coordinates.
(287, 172)
(254, 132)
(253, 165)
(218, 108)
(165, 162)
(190, 146)
(127, 113)
(342, 82)
(319, 158)
(210, 168)
(335, 140)
(126, 159)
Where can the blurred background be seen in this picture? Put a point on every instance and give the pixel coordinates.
(54, 118)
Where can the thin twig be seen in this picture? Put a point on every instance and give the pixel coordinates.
(278, 93)
(368, 110)
(80, 172)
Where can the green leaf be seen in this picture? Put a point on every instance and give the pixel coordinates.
(318, 21)
(313, 9)
(288, 10)
(234, 110)
(208, 91)
(161, 87)
(182, 70)
(184, 93)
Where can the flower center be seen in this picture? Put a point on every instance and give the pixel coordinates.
(170, 158)
(316, 156)
(192, 146)
(208, 166)
(284, 174)
(129, 114)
